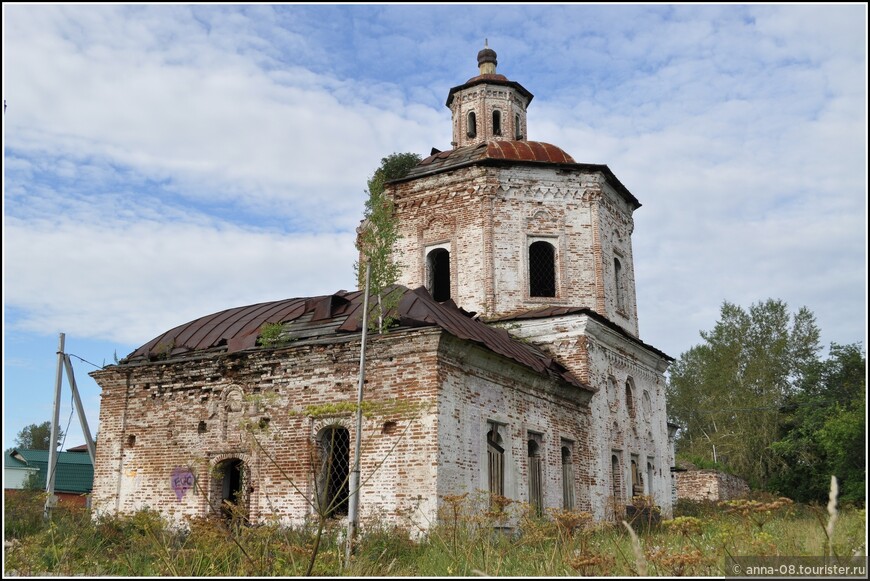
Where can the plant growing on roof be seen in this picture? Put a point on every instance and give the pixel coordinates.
(270, 334)
(378, 234)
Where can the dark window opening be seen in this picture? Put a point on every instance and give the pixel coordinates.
(472, 124)
(519, 130)
(131, 440)
(496, 122)
(333, 484)
(536, 480)
(542, 270)
(201, 428)
(438, 262)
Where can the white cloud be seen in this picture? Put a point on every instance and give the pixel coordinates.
(129, 282)
(143, 142)
(197, 111)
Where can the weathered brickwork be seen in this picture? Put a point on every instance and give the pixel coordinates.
(487, 217)
(710, 485)
(159, 418)
(628, 413)
(522, 403)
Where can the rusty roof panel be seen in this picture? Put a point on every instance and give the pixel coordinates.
(526, 151)
(519, 151)
(238, 329)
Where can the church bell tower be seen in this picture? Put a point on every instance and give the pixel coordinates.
(501, 224)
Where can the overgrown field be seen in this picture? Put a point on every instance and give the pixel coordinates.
(468, 541)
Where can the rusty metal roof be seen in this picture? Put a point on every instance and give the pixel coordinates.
(532, 151)
(547, 312)
(527, 151)
(503, 151)
(237, 329)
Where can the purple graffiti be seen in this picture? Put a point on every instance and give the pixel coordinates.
(182, 481)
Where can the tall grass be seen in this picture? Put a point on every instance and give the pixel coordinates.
(472, 537)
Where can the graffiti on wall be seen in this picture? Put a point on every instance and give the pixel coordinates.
(182, 481)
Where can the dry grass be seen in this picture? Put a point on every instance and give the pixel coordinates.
(475, 535)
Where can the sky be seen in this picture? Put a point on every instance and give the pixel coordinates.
(164, 162)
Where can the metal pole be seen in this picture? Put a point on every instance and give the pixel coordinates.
(50, 499)
(353, 504)
(83, 421)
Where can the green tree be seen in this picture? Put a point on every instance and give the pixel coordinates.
(727, 392)
(379, 232)
(823, 431)
(36, 437)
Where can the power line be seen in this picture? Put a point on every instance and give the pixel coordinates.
(85, 360)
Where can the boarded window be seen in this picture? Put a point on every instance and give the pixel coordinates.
(472, 124)
(438, 264)
(637, 486)
(617, 275)
(542, 269)
(650, 472)
(629, 398)
(567, 477)
(495, 460)
(636, 480)
(536, 476)
(332, 484)
(496, 122)
(616, 478)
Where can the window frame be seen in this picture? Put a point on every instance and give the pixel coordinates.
(428, 271)
(554, 241)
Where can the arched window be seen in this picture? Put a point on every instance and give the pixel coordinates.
(495, 460)
(616, 478)
(542, 269)
(496, 122)
(617, 275)
(333, 477)
(472, 124)
(518, 129)
(567, 477)
(629, 398)
(536, 477)
(438, 265)
(647, 404)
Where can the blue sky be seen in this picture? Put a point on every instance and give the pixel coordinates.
(165, 162)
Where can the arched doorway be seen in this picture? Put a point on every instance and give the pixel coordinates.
(230, 488)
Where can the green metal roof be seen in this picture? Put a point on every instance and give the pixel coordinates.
(14, 463)
(75, 473)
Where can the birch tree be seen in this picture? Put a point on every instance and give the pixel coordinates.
(378, 234)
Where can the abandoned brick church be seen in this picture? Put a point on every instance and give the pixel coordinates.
(517, 354)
